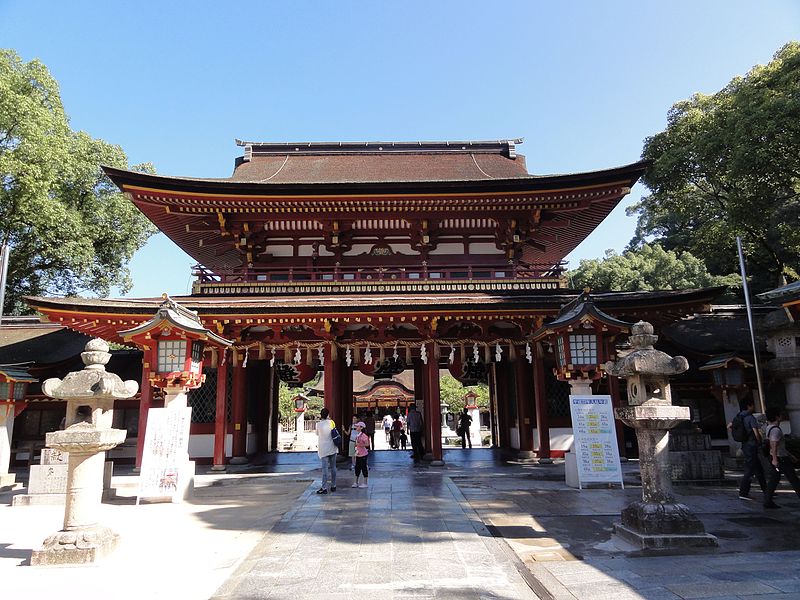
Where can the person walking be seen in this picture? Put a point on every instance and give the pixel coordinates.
(362, 451)
(415, 426)
(397, 429)
(750, 449)
(327, 451)
(387, 426)
(464, 423)
(351, 450)
(778, 461)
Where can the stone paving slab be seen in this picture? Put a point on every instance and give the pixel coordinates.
(427, 547)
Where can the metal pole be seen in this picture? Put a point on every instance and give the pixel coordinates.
(3, 273)
(746, 291)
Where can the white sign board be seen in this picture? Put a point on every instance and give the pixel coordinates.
(596, 450)
(166, 444)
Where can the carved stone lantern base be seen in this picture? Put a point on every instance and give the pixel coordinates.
(82, 546)
(662, 526)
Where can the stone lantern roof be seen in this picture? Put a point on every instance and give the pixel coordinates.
(644, 359)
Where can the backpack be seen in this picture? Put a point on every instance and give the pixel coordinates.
(766, 449)
(336, 437)
(738, 430)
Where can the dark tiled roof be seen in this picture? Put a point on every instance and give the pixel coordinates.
(41, 343)
(345, 168)
(352, 162)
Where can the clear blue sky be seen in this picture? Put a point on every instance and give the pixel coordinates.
(584, 83)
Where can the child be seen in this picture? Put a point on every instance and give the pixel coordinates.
(403, 439)
(362, 445)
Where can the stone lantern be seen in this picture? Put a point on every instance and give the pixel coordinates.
(727, 380)
(90, 396)
(656, 521)
(13, 387)
(300, 403)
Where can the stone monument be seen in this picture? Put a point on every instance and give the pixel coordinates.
(656, 521)
(90, 396)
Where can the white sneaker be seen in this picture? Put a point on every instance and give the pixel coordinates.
(362, 485)
(355, 485)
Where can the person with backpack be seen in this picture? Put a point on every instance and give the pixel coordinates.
(327, 449)
(744, 429)
(776, 459)
(464, 423)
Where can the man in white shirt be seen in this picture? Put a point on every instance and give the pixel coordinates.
(327, 451)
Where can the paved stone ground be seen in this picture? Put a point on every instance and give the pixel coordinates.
(479, 527)
(410, 535)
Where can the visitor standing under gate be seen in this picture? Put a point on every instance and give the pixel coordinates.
(326, 450)
(464, 423)
(415, 426)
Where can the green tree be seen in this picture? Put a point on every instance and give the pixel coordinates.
(68, 228)
(451, 393)
(649, 267)
(728, 164)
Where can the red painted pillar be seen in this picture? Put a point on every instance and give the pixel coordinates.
(499, 432)
(542, 414)
(221, 417)
(239, 415)
(501, 377)
(275, 415)
(433, 409)
(145, 400)
(332, 377)
(420, 394)
(524, 394)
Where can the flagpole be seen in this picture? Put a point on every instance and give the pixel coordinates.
(756, 360)
(3, 274)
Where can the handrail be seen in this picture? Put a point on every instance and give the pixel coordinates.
(350, 274)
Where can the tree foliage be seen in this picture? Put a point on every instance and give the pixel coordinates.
(649, 267)
(728, 164)
(68, 228)
(451, 393)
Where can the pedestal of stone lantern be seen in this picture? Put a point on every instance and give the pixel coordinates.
(90, 396)
(656, 521)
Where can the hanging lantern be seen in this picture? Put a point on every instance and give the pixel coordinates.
(579, 334)
(174, 342)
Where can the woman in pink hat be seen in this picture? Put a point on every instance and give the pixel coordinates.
(362, 451)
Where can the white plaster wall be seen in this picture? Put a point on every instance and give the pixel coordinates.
(202, 445)
(513, 437)
(560, 438)
(448, 248)
(484, 248)
(280, 250)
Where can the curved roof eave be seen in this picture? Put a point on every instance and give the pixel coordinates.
(122, 177)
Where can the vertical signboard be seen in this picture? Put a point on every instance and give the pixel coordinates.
(596, 451)
(165, 452)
